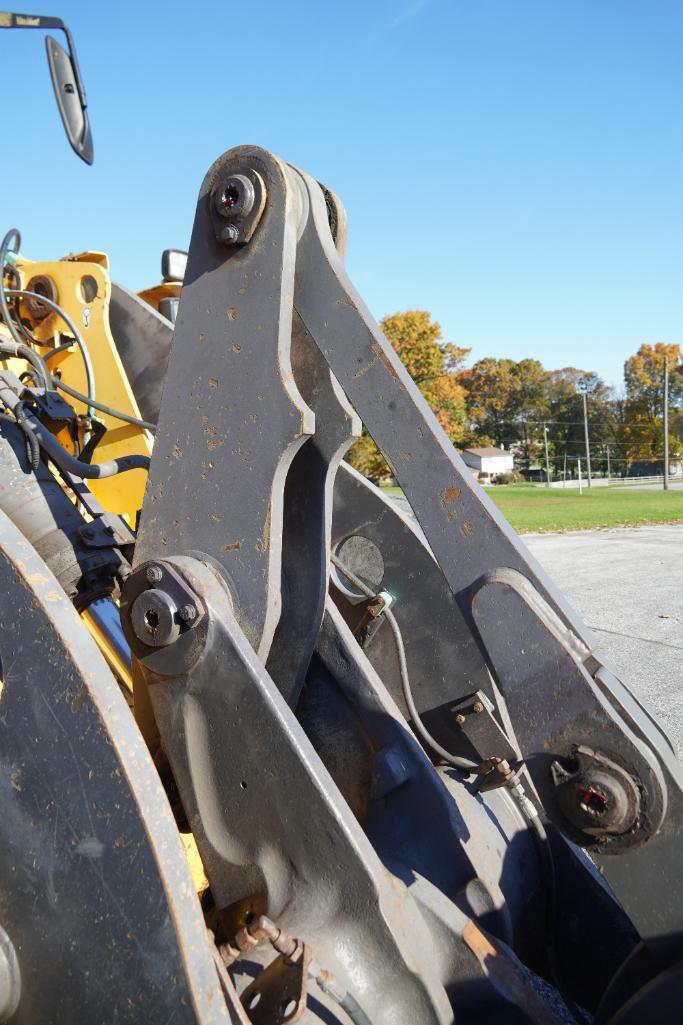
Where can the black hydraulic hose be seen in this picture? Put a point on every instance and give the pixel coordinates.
(19, 346)
(24, 351)
(63, 459)
(57, 349)
(116, 413)
(456, 761)
(89, 373)
(32, 446)
(346, 1000)
(39, 363)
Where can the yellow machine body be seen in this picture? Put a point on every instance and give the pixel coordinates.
(83, 290)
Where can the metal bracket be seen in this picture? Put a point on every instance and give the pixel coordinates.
(106, 531)
(278, 993)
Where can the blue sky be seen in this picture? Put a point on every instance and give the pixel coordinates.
(513, 166)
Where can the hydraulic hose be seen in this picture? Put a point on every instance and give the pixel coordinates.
(63, 459)
(456, 761)
(89, 372)
(109, 410)
(24, 351)
(40, 508)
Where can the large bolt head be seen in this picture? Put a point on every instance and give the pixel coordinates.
(234, 197)
(599, 800)
(154, 617)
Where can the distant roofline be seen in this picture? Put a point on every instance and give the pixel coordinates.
(489, 452)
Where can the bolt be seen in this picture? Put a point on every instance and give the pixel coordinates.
(230, 196)
(229, 235)
(477, 707)
(108, 529)
(595, 794)
(593, 801)
(187, 613)
(88, 533)
(154, 575)
(153, 618)
(234, 196)
(460, 719)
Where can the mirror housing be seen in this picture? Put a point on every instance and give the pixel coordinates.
(66, 79)
(72, 110)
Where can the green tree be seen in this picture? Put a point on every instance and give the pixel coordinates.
(435, 367)
(505, 401)
(565, 429)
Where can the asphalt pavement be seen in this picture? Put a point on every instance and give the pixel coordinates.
(627, 585)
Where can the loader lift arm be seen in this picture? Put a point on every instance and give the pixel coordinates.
(412, 783)
(273, 351)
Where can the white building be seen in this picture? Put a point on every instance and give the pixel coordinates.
(487, 463)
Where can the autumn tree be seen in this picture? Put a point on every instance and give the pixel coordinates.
(434, 365)
(643, 428)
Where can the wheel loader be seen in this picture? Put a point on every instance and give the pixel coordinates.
(272, 750)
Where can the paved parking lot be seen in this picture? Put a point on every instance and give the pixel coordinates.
(627, 584)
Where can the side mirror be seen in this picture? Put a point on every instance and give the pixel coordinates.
(71, 108)
(66, 79)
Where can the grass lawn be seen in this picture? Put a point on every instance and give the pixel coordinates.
(539, 509)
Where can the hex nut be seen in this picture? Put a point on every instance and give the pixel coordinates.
(229, 235)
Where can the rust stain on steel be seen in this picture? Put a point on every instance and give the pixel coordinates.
(237, 348)
(213, 383)
(384, 357)
(467, 529)
(363, 370)
(232, 312)
(507, 975)
(77, 702)
(346, 301)
(448, 497)
(232, 547)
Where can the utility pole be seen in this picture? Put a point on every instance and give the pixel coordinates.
(585, 429)
(608, 471)
(564, 477)
(580, 484)
(666, 423)
(547, 463)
